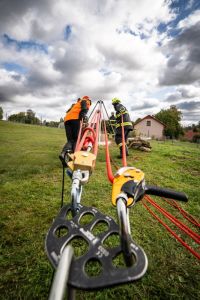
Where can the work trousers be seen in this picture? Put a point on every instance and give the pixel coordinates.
(72, 130)
(118, 135)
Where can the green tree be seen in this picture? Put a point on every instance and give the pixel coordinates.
(195, 129)
(22, 117)
(171, 118)
(52, 124)
(30, 116)
(1, 113)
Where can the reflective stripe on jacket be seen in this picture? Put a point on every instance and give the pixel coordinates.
(121, 111)
(124, 124)
(76, 109)
(112, 121)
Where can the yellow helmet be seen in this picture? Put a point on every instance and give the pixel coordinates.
(116, 100)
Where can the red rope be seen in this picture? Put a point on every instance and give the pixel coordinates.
(91, 131)
(85, 132)
(172, 232)
(108, 163)
(184, 213)
(97, 132)
(179, 224)
(94, 119)
(123, 145)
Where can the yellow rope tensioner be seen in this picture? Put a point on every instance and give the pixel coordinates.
(82, 160)
(122, 177)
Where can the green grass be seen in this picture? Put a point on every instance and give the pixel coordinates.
(31, 178)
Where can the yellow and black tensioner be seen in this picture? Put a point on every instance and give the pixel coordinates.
(130, 181)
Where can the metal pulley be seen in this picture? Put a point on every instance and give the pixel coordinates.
(127, 180)
(82, 160)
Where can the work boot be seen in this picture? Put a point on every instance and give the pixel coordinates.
(127, 154)
(64, 157)
(120, 155)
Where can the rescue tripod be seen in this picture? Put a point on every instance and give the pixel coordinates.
(128, 187)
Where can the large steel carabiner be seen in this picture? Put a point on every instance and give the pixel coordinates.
(124, 229)
(78, 179)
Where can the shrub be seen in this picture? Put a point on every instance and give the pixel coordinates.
(196, 138)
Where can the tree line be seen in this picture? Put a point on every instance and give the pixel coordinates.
(28, 117)
(170, 117)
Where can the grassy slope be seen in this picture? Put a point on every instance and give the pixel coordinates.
(30, 175)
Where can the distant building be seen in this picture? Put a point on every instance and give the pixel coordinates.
(149, 127)
(189, 134)
(61, 125)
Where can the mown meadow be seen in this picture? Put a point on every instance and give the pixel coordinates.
(30, 197)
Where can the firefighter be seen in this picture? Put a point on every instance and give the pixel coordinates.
(127, 124)
(112, 123)
(76, 113)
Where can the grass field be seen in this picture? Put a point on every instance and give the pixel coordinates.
(30, 192)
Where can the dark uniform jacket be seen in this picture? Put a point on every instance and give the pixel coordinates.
(121, 111)
(112, 120)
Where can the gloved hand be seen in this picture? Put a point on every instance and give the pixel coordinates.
(85, 122)
(85, 119)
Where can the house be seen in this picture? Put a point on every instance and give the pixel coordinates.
(149, 126)
(189, 135)
(61, 125)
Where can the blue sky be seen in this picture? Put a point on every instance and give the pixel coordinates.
(145, 52)
(183, 9)
(24, 45)
(12, 66)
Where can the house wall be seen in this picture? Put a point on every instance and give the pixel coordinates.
(189, 135)
(154, 130)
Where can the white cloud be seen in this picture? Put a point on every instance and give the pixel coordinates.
(113, 49)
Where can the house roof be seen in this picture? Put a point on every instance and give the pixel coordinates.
(150, 117)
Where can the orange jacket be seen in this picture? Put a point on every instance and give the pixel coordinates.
(77, 110)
